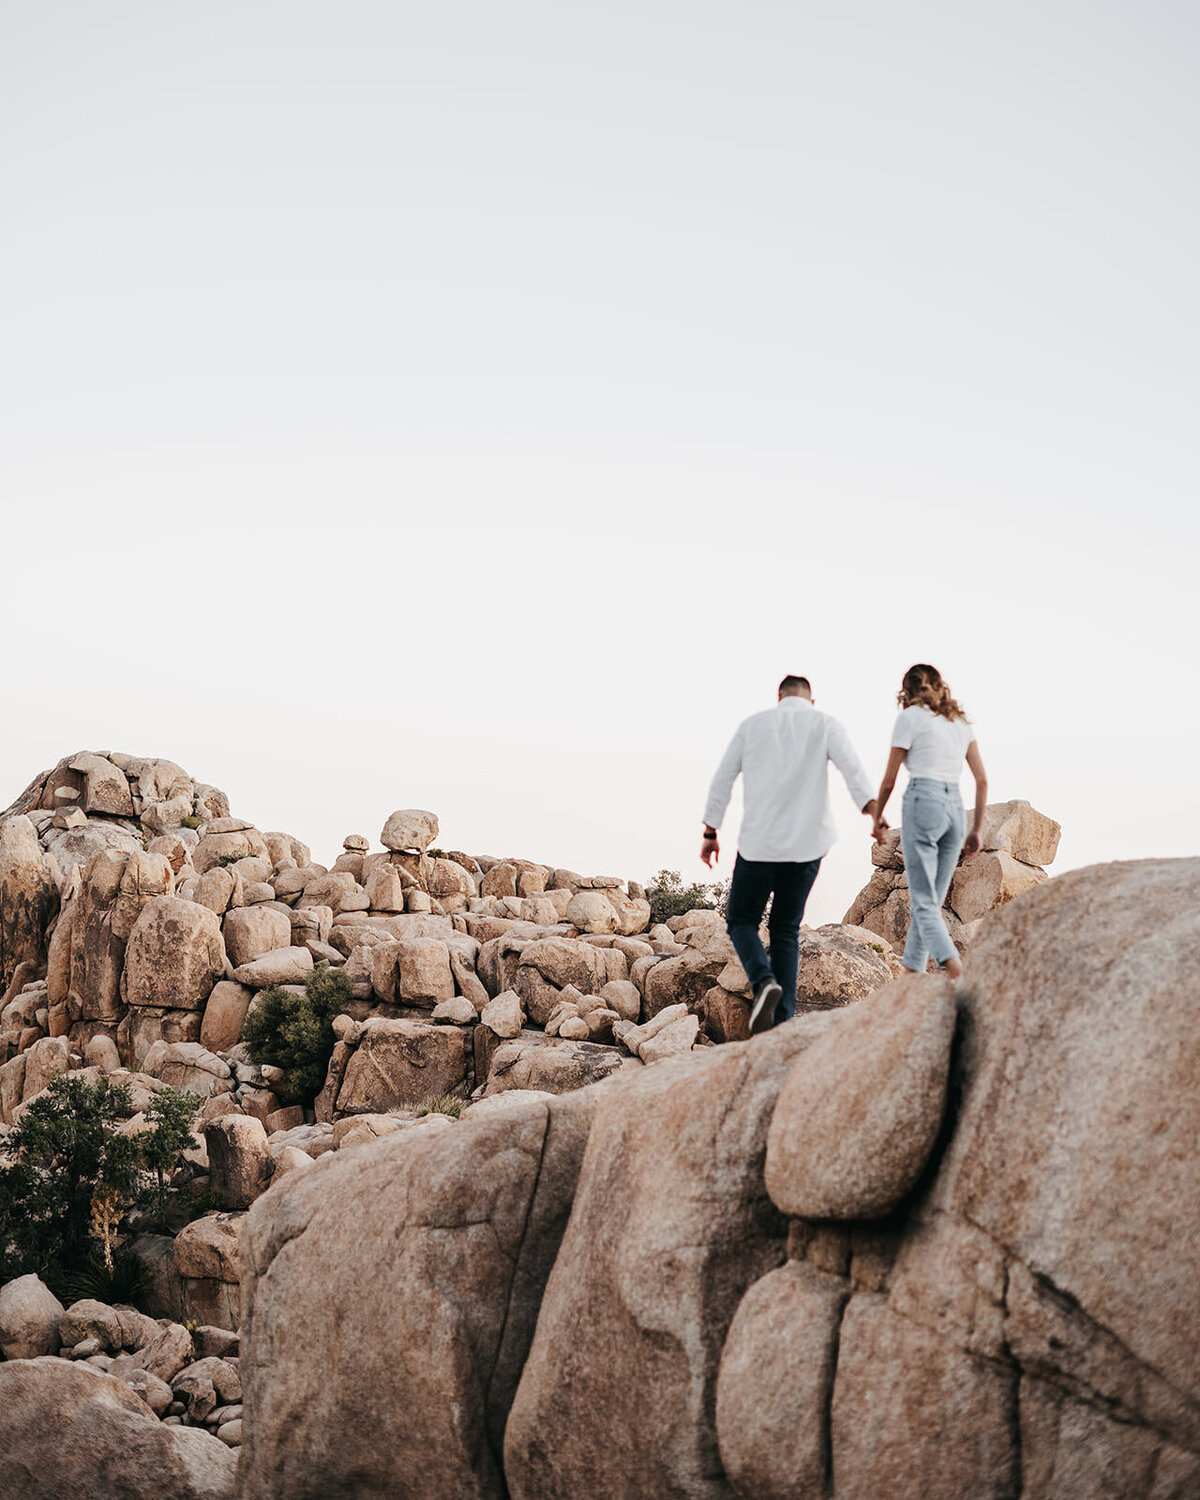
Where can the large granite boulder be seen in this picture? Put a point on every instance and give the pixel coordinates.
(409, 828)
(71, 1432)
(532, 1060)
(859, 1113)
(30, 1319)
(28, 897)
(87, 953)
(401, 1064)
(1028, 1325)
(390, 1295)
(174, 955)
(671, 1224)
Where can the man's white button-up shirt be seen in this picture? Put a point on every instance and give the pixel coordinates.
(783, 757)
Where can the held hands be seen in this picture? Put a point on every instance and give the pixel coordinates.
(879, 824)
(710, 849)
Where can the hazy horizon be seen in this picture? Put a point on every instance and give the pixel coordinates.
(482, 410)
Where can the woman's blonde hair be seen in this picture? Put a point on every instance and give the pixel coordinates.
(923, 685)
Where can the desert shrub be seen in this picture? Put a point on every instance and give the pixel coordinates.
(206, 1202)
(441, 1104)
(191, 821)
(118, 1279)
(669, 897)
(295, 1032)
(229, 859)
(73, 1177)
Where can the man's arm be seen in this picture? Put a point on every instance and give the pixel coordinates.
(719, 794)
(842, 754)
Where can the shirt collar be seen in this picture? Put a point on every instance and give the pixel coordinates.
(792, 703)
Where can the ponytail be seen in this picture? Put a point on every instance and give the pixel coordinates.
(923, 686)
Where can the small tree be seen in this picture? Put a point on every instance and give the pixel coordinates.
(295, 1032)
(66, 1150)
(171, 1115)
(669, 897)
(74, 1175)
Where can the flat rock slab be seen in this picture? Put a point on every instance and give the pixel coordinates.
(554, 1065)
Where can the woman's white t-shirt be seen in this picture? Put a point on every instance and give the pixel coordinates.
(936, 745)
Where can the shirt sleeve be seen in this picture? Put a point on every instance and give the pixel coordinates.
(842, 754)
(903, 731)
(721, 789)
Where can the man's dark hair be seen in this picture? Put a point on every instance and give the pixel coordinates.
(792, 684)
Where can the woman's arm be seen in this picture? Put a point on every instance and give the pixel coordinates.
(886, 787)
(975, 762)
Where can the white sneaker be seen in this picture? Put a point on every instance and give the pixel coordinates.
(762, 1012)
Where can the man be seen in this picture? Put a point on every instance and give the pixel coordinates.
(783, 756)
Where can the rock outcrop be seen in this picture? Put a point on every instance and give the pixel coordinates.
(1017, 841)
(549, 1237)
(428, 1331)
(1020, 1322)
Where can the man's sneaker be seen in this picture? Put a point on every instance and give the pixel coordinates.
(762, 1013)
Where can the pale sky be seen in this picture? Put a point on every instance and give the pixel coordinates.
(481, 407)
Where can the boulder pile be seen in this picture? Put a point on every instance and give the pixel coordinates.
(1017, 842)
(141, 922)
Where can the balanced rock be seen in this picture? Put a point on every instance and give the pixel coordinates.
(409, 828)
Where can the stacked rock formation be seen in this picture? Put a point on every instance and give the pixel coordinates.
(141, 918)
(140, 921)
(1017, 842)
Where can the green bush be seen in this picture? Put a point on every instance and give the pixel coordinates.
(228, 859)
(669, 897)
(73, 1177)
(295, 1032)
(191, 821)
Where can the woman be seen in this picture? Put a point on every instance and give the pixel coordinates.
(931, 738)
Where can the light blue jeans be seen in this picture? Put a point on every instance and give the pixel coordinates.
(932, 831)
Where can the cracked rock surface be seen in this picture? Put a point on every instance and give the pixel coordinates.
(391, 1294)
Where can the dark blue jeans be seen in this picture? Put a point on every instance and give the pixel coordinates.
(754, 882)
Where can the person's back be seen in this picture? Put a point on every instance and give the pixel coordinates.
(936, 745)
(785, 780)
(782, 755)
(933, 738)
